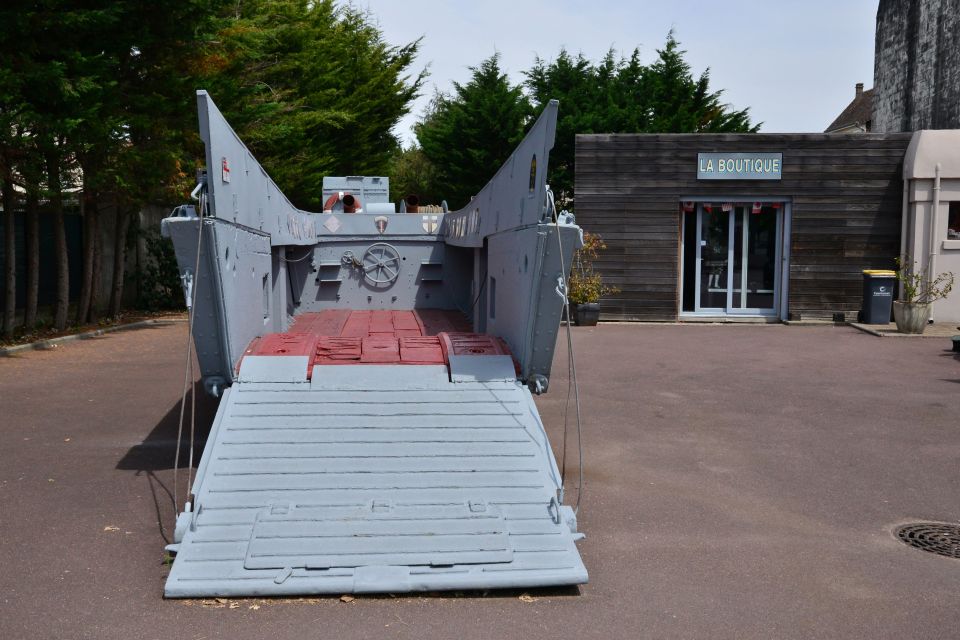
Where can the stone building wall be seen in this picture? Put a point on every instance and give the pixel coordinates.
(917, 65)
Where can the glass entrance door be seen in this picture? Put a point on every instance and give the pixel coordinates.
(737, 265)
(714, 260)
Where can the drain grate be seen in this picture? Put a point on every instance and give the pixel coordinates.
(935, 537)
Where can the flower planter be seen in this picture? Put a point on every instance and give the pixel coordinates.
(586, 314)
(911, 317)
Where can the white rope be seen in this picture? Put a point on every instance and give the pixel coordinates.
(571, 374)
(188, 372)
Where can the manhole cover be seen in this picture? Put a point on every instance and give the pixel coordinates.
(935, 537)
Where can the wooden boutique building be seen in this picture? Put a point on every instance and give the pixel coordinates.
(765, 226)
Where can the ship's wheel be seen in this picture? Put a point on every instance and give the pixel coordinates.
(381, 264)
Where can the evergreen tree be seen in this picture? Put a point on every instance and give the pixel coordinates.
(100, 94)
(680, 103)
(576, 83)
(467, 136)
(157, 58)
(625, 96)
(412, 173)
(58, 73)
(312, 89)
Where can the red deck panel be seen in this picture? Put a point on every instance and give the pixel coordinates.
(406, 321)
(381, 322)
(425, 350)
(324, 323)
(467, 344)
(380, 350)
(284, 344)
(474, 344)
(435, 321)
(337, 350)
(357, 325)
(341, 336)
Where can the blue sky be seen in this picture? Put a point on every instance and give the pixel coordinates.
(793, 63)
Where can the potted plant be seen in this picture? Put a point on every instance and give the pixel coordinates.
(586, 285)
(917, 292)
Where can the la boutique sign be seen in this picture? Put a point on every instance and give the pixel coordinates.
(739, 166)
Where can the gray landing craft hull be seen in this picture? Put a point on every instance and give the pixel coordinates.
(367, 440)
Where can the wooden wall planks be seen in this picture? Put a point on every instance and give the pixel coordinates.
(846, 191)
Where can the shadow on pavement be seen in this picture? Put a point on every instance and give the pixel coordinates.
(157, 450)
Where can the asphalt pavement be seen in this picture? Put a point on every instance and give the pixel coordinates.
(740, 482)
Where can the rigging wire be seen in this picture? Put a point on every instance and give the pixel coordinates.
(571, 372)
(188, 371)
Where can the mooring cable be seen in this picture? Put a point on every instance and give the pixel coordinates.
(188, 371)
(571, 371)
(193, 389)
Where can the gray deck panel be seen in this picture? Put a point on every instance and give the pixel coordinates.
(353, 451)
(466, 480)
(406, 396)
(232, 530)
(473, 368)
(274, 369)
(339, 457)
(226, 516)
(241, 422)
(390, 377)
(489, 464)
(384, 436)
(238, 499)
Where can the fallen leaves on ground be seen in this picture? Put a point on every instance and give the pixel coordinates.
(347, 598)
(526, 597)
(110, 527)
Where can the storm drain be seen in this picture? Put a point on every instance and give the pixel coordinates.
(935, 537)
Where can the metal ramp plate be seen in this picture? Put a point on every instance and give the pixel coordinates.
(323, 538)
(386, 482)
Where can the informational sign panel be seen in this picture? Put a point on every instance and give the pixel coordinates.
(739, 166)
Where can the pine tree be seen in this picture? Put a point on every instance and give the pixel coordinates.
(680, 103)
(626, 96)
(411, 173)
(312, 89)
(467, 136)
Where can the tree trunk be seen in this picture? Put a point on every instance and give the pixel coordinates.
(33, 257)
(59, 243)
(96, 290)
(119, 261)
(89, 235)
(10, 251)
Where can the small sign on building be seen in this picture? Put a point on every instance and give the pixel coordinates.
(739, 166)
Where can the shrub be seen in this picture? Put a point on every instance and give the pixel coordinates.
(586, 285)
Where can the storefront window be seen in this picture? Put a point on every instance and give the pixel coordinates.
(953, 221)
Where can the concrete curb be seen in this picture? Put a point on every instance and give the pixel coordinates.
(880, 333)
(52, 343)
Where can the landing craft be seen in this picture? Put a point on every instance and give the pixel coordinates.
(376, 429)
